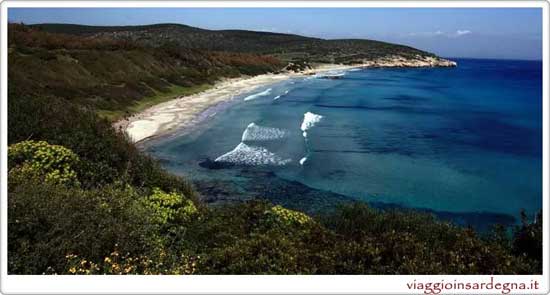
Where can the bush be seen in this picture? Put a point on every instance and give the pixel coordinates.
(355, 239)
(251, 239)
(170, 207)
(48, 221)
(279, 214)
(118, 264)
(53, 162)
(527, 240)
(408, 242)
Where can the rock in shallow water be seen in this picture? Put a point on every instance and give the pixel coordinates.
(210, 164)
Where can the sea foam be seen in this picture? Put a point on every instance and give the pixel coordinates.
(330, 74)
(281, 95)
(259, 94)
(245, 154)
(310, 119)
(255, 132)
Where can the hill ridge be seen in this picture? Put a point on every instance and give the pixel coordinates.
(287, 47)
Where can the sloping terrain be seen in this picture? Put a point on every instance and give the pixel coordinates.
(285, 46)
(114, 75)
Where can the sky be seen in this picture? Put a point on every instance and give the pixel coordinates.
(503, 33)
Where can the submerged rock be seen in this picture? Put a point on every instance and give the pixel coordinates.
(211, 164)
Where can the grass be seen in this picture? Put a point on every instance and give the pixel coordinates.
(173, 92)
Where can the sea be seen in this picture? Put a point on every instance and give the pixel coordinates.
(462, 143)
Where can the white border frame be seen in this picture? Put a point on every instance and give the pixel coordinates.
(249, 284)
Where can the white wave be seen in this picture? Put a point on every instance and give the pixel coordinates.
(310, 119)
(337, 74)
(259, 94)
(354, 70)
(330, 74)
(244, 154)
(280, 95)
(255, 132)
(303, 160)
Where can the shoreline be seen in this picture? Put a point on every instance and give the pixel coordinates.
(182, 112)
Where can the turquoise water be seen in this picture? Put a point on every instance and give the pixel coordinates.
(461, 140)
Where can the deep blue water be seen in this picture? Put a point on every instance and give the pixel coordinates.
(465, 139)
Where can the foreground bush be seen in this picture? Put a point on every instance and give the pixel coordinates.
(54, 163)
(49, 221)
(401, 242)
(169, 207)
(527, 240)
(118, 264)
(355, 239)
(119, 229)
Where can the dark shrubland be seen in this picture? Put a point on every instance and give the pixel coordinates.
(287, 47)
(116, 75)
(84, 200)
(71, 225)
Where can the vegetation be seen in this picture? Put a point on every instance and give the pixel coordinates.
(53, 163)
(117, 77)
(84, 200)
(287, 47)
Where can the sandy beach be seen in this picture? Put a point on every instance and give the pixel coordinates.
(180, 112)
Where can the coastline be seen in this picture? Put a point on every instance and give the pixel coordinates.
(181, 112)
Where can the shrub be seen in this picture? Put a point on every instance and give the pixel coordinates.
(251, 239)
(279, 214)
(54, 162)
(170, 207)
(118, 264)
(47, 221)
(527, 240)
(408, 242)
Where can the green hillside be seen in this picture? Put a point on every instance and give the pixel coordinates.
(117, 76)
(285, 46)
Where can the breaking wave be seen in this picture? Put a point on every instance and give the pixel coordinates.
(330, 74)
(244, 154)
(255, 132)
(281, 95)
(310, 119)
(259, 94)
